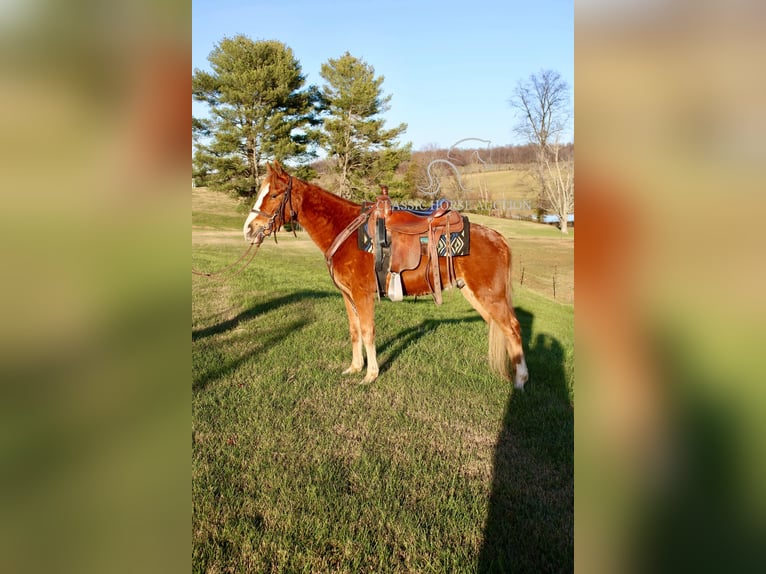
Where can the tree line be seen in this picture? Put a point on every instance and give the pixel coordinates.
(260, 109)
(504, 155)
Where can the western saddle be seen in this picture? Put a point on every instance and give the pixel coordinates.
(401, 238)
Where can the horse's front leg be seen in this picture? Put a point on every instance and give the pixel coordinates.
(365, 306)
(354, 329)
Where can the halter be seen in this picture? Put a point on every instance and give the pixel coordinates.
(277, 219)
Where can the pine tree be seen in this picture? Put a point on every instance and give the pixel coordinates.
(259, 111)
(362, 152)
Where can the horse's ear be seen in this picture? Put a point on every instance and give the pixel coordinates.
(277, 167)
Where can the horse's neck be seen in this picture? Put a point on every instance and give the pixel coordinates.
(324, 215)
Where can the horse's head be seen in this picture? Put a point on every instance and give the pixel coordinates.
(273, 207)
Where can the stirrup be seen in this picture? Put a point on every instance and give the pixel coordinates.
(395, 287)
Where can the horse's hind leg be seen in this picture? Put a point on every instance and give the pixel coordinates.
(355, 330)
(504, 331)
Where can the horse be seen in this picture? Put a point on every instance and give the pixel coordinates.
(483, 276)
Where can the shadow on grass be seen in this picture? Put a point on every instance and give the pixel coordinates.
(260, 342)
(399, 342)
(530, 524)
(259, 309)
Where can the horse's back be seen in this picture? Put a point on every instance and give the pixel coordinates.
(486, 242)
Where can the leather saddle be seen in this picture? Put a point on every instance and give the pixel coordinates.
(401, 239)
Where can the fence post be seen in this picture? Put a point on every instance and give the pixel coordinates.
(522, 275)
(554, 283)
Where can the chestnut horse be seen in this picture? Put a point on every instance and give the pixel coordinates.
(485, 274)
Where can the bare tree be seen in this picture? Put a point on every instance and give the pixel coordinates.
(558, 188)
(542, 103)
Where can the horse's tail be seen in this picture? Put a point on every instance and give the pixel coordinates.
(499, 361)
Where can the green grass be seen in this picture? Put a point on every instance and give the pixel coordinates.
(523, 229)
(216, 220)
(436, 467)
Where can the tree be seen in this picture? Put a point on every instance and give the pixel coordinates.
(559, 187)
(542, 103)
(200, 164)
(363, 153)
(259, 111)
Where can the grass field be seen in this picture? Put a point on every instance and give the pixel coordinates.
(501, 184)
(436, 467)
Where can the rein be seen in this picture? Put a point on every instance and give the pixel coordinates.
(339, 240)
(271, 227)
(358, 221)
(213, 274)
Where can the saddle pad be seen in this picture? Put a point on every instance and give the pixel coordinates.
(461, 241)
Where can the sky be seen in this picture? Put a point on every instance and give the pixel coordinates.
(451, 66)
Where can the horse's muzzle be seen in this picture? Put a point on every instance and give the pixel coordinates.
(256, 236)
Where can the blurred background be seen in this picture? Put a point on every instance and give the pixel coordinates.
(94, 213)
(669, 269)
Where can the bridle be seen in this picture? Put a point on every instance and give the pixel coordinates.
(277, 219)
(274, 224)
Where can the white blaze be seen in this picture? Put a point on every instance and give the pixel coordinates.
(258, 203)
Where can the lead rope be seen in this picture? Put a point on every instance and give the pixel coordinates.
(214, 274)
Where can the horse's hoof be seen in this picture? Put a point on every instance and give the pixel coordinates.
(352, 370)
(521, 375)
(370, 378)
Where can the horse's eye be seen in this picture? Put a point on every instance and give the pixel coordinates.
(274, 196)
